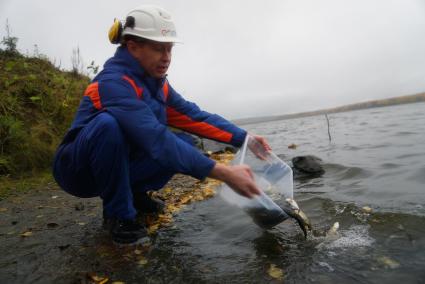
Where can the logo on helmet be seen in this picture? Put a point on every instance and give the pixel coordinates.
(168, 33)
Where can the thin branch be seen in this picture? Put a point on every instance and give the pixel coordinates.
(329, 133)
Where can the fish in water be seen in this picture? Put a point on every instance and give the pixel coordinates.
(295, 212)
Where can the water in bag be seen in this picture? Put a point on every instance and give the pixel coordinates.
(272, 176)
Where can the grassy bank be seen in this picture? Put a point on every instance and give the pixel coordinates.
(37, 105)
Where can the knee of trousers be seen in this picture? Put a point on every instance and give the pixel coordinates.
(106, 127)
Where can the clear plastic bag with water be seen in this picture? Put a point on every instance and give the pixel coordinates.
(272, 176)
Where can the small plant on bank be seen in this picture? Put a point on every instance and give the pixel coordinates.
(10, 42)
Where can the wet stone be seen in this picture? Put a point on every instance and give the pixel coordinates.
(308, 164)
(52, 225)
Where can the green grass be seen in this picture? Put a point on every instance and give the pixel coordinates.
(37, 105)
(13, 186)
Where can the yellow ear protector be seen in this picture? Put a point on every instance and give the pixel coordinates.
(115, 32)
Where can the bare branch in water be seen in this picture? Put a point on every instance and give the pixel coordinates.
(329, 133)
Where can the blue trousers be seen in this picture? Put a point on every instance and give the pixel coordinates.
(100, 162)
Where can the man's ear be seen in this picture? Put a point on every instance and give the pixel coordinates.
(131, 45)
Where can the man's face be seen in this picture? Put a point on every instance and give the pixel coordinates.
(155, 57)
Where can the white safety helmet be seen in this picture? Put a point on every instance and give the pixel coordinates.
(151, 22)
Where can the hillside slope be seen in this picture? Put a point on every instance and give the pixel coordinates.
(37, 104)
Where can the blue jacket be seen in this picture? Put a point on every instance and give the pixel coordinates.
(144, 107)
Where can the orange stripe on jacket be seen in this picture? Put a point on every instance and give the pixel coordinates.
(138, 90)
(165, 90)
(181, 121)
(92, 92)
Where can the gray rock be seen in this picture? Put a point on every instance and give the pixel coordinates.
(308, 164)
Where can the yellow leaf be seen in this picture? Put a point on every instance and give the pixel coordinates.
(185, 199)
(208, 192)
(292, 146)
(275, 272)
(118, 282)
(388, 262)
(3, 209)
(26, 234)
(172, 208)
(98, 279)
(142, 261)
(153, 228)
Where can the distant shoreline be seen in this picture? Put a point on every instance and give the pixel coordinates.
(357, 106)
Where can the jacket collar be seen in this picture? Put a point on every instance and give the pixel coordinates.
(124, 59)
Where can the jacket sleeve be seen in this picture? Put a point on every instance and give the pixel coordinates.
(141, 127)
(188, 116)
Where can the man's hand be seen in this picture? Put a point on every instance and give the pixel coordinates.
(259, 146)
(239, 178)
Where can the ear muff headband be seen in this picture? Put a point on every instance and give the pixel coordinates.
(115, 32)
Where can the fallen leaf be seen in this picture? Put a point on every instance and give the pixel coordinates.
(39, 216)
(118, 282)
(275, 272)
(137, 252)
(186, 199)
(208, 192)
(97, 279)
(388, 262)
(3, 209)
(26, 234)
(81, 223)
(292, 146)
(54, 196)
(153, 228)
(142, 261)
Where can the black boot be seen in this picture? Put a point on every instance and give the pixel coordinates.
(147, 205)
(125, 231)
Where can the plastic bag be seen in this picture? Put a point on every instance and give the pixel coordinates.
(273, 177)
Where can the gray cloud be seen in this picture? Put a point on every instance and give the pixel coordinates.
(251, 58)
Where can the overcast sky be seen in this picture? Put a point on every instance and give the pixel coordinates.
(252, 58)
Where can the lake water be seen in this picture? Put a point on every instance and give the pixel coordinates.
(376, 158)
